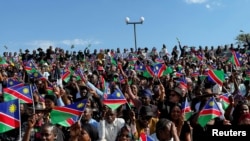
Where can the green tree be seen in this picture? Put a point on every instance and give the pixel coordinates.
(243, 38)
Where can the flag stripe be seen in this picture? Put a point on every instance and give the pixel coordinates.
(187, 109)
(67, 110)
(210, 111)
(8, 120)
(162, 69)
(114, 101)
(65, 75)
(225, 99)
(17, 95)
(151, 72)
(214, 77)
(237, 63)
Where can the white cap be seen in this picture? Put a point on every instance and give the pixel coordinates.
(216, 89)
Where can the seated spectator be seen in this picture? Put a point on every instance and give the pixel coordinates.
(165, 131)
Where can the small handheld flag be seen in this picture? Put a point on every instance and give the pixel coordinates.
(186, 110)
(210, 111)
(9, 115)
(62, 113)
(114, 100)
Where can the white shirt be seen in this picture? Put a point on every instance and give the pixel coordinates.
(46, 75)
(108, 131)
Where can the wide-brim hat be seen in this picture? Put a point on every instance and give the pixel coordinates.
(38, 107)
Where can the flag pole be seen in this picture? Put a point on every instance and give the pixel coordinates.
(83, 111)
(223, 116)
(33, 103)
(20, 123)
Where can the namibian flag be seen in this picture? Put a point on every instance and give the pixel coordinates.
(149, 73)
(195, 74)
(24, 93)
(247, 72)
(186, 110)
(178, 74)
(216, 76)
(49, 88)
(62, 113)
(182, 83)
(13, 82)
(145, 137)
(68, 122)
(236, 59)
(114, 100)
(34, 73)
(3, 62)
(132, 60)
(9, 115)
(199, 56)
(66, 75)
(158, 69)
(210, 111)
(29, 66)
(225, 100)
(140, 67)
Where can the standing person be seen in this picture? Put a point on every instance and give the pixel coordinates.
(87, 117)
(109, 125)
(175, 53)
(145, 123)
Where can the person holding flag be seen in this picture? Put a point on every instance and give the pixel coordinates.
(183, 126)
(209, 116)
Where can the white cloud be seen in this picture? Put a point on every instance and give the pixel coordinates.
(217, 3)
(208, 6)
(195, 1)
(44, 44)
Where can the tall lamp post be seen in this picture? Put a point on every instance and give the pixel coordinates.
(135, 23)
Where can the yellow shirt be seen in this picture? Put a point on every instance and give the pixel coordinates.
(152, 127)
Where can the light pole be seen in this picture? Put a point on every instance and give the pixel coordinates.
(135, 23)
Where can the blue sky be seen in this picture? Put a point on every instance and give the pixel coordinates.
(101, 23)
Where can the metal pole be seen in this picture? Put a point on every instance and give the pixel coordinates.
(135, 37)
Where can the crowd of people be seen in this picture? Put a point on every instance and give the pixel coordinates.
(154, 106)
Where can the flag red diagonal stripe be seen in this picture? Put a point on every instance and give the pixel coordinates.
(115, 101)
(210, 111)
(214, 77)
(8, 120)
(17, 95)
(68, 110)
